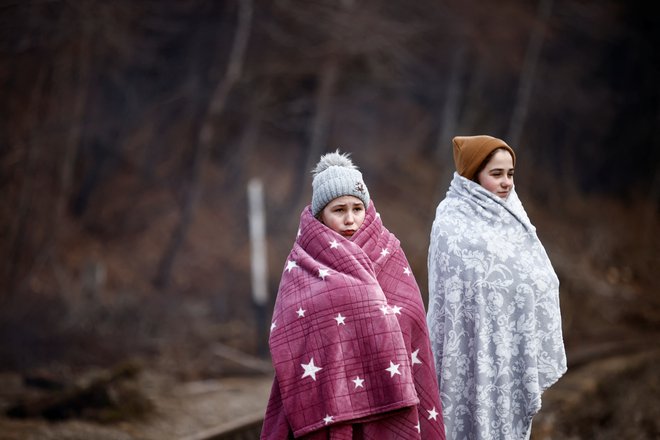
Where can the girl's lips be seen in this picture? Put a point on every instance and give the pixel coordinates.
(348, 233)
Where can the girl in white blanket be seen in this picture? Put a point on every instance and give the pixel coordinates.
(493, 317)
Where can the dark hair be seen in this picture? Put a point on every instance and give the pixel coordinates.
(484, 162)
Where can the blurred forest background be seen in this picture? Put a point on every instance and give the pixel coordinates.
(130, 130)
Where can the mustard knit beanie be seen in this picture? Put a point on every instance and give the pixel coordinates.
(470, 152)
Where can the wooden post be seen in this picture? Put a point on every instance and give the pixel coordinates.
(259, 265)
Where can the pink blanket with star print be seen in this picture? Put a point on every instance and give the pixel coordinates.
(349, 340)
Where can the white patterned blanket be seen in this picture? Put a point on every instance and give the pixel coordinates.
(493, 317)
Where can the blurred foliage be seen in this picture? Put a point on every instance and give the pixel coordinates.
(130, 130)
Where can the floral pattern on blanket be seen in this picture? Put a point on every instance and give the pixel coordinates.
(494, 316)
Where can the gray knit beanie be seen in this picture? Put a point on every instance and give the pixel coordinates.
(336, 176)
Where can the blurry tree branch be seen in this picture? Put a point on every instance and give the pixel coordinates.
(346, 37)
(450, 111)
(532, 54)
(80, 60)
(204, 140)
(234, 168)
(449, 121)
(19, 229)
(328, 76)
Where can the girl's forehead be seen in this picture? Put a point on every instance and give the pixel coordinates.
(345, 200)
(502, 157)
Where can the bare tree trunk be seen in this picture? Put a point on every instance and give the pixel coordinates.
(203, 145)
(18, 231)
(528, 73)
(450, 112)
(474, 97)
(448, 125)
(81, 67)
(74, 64)
(234, 168)
(328, 77)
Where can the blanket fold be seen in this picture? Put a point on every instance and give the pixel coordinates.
(349, 341)
(493, 315)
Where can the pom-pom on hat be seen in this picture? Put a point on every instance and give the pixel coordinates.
(470, 152)
(336, 176)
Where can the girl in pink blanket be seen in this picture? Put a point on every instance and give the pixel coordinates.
(348, 339)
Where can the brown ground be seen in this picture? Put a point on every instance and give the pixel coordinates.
(613, 397)
(611, 391)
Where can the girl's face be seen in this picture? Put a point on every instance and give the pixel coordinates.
(344, 215)
(497, 175)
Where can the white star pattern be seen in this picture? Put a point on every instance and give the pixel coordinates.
(340, 319)
(310, 369)
(394, 369)
(298, 234)
(305, 279)
(358, 382)
(414, 359)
